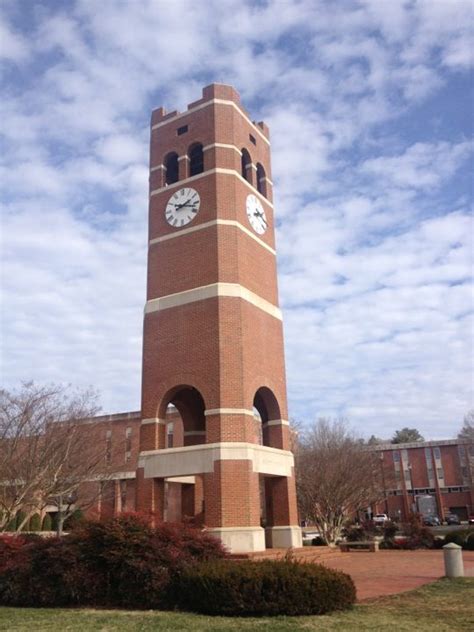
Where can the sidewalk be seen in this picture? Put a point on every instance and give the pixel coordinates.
(390, 572)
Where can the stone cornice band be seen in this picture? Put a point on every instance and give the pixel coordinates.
(231, 290)
(215, 222)
(154, 420)
(198, 459)
(228, 411)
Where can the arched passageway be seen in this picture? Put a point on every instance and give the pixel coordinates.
(183, 408)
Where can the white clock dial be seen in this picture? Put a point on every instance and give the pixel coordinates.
(256, 214)
(182, 207)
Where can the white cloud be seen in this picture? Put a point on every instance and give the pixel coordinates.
(13, 46)
(422, 165)
(373, 239)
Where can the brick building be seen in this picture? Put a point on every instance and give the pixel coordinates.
(432, 477)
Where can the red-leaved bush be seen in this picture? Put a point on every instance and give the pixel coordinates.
(123, 562)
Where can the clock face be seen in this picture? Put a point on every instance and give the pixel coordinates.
(182, 207)
(256, 214)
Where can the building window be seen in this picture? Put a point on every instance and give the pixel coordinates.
(172, 168)
(465, 472)
(439, 472)
(182, 130)
(246, 165)
(407, 475)
(108, 447)
(169, 435)
(261, 180)
(437, 453)
(196, 158)
(396, 457)
(461, 450)
(123, 494)
(128, 444)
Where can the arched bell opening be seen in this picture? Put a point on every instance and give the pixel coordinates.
(196, 159)
(171, 168)
(246, 166)
(267, 409)
(261, 180)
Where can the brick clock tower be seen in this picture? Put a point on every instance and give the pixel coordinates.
(213, 361)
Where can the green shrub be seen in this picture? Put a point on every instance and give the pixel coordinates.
(463, 537)
(390, 529)
(355, 534)
(470, 542)
(267, 588)
(35, 523)
(47, 523)
(417, 535)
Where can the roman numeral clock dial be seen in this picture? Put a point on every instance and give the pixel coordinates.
(182, 207)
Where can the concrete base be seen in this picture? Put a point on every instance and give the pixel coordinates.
(283, 537)
(240, 539)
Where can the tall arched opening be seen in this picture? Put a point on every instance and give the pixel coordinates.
(183, 409)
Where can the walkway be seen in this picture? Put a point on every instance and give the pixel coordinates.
(375, 574)
(391, 572)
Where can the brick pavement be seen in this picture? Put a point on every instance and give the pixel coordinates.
(391, 572)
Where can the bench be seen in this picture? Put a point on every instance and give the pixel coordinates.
(372, 546)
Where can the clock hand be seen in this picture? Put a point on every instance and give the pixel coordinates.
(178, 207)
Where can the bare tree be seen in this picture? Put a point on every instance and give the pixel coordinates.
(46, 452)
(336, 476)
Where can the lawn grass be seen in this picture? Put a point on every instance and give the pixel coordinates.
(445, 605)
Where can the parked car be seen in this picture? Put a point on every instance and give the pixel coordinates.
(380, 519)
(431, 521)
(471, 519)
(308, 536)
(452, 519)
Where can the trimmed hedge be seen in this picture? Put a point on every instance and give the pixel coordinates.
(267, 588)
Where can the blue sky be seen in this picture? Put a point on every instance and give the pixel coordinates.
(370, 109)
